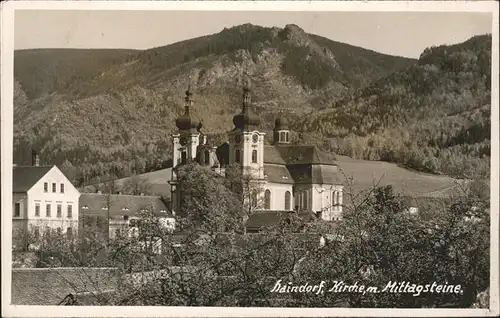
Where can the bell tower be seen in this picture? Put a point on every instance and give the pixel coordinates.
(185, 143)
(246, 142)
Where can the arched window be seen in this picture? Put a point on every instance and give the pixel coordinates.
(183, 157)
(288, 199)
(267, 199)
(254, 156)
(237, 156)
(282, 136)
(254, 197)
(338, 198)
(305, 200)
(207, 157)
(287, 137)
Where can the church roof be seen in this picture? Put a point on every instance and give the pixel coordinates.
(277, 174)
(303, 154)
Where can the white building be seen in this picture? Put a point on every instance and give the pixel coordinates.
(286, 177)
(43, 200)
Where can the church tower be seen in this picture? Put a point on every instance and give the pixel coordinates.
(185, 143)
(246, 142)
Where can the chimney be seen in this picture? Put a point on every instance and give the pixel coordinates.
(35, 159)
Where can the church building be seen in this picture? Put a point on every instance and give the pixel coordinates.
(284, 177)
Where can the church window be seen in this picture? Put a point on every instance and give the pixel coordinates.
(286, 137)
(207, 157)
(288, 199)
(237, 156)
(267, 199)
(282, 136)
(305, 202)
(183, 157)
(254, 156)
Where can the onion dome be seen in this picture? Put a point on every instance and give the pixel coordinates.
(280, 124)
(187, 121)
(247, 118)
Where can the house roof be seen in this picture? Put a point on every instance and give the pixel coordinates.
(303, 154)
(277, 174)
(49, 286)
(25, 177)
(92, 204)
(314, 174)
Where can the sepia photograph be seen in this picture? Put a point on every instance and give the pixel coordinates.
(306, 158)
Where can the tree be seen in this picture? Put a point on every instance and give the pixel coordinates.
(137, 185)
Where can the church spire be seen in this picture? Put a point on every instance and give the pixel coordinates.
(247, 119)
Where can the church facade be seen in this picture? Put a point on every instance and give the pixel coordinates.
(282, 177)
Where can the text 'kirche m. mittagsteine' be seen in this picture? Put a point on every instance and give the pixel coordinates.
(288, 177)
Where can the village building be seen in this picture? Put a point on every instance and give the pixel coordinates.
(44, 200)
(115, 215)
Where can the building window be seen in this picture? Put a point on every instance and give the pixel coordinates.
(286, 137)
(70, 211)
(36, 232)
(54, 188)
(45, 187)
(17, 210)
(254, 199)
(207, 157)
(125, 217)
(59, 231)
(254, 156)
(305, 203)
(69, 233)
(288, 199)
(59, 210)
(183, 157)
(237, 156)
(37, 209)
(62, 187)
(282, 136)
(47, 210)
(267, 199)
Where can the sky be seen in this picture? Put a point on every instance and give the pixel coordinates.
(396, 33)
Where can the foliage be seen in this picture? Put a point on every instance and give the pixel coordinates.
(432, 117)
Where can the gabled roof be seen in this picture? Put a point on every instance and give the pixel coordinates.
(49, 286)
(94, 204)
(25, 177)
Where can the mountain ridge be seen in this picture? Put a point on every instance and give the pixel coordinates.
(129, 103)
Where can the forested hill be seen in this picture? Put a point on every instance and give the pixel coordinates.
(102, 112)
(432, 116)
